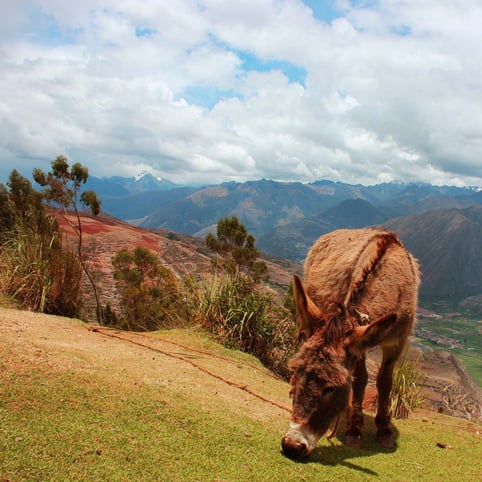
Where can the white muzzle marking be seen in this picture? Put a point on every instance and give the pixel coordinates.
(301, 435)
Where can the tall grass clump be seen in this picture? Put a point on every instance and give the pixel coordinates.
(243, 317)
(40, 274)
(36, 269)
(406, 389)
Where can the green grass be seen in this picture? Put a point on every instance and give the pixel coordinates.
(467, 330)
(73, 425)
(472, 360)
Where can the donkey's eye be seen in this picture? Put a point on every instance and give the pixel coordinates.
(327, 391)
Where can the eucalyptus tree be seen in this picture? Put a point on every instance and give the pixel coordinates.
(62, 189)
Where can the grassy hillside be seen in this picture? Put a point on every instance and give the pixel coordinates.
(76, 404)
(459, 334)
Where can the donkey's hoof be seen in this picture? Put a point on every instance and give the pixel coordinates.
(385, 438)
(353, 439)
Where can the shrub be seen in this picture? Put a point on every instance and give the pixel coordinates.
(36, 269)
(149, 292)
(236, 250)
(40, 274)
(458, 402)
(406, 391)
(244, 318)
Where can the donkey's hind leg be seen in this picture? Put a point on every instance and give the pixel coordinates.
(355, 411)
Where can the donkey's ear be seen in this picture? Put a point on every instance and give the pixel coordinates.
(309, 315)
(364, 337)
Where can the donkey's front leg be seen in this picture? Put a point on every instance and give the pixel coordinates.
(355, 411)
(384, 386)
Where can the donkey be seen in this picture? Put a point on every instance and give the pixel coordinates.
(360, 291)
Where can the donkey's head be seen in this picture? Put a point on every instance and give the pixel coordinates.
(321, 371)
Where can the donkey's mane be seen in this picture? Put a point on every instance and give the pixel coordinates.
(367, 259)
(335, 330)
(317, 358)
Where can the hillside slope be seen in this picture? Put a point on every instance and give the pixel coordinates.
(81, 405)
(448, 244)
(104, 236)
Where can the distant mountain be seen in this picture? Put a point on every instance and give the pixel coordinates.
(448, 244)
(260, 205)
(130, 198)
(135, 207)
(293, 240)
(118, 186)
(264, 206)
(388, 201)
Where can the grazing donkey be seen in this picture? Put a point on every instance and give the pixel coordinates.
(360, 290)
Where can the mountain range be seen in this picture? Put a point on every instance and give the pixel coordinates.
(441, 225)
(117, 186)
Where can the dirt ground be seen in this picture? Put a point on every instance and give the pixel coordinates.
(187, 367)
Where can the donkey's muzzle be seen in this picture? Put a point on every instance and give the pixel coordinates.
(292, 449)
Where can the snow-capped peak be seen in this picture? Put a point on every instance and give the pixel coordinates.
(142, 174)
(139, 176)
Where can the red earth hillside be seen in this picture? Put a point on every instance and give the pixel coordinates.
(104, 236)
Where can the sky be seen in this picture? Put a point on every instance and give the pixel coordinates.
(208, 91)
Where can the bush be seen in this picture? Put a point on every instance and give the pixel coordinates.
(406, 392)
(35, 268)
(40, 274)
(236, 250)
(458, 402)
(246, 319)
(149, 292)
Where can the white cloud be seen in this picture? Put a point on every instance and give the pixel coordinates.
(393, 90)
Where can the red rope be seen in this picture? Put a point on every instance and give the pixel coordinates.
(204, 352)
(195, 365)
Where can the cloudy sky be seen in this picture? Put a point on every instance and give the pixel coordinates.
(205, 91)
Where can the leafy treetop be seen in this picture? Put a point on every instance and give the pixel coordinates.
(62, 185)
(236, 248)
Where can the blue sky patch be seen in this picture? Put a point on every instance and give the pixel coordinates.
(145, 32)
(206, 96)
(323, 10)
(45, 29)
(293, 72)
(402, 30)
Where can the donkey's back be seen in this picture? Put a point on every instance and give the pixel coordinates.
(368, 270)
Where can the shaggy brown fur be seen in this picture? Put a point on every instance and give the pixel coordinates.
(360, 290)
